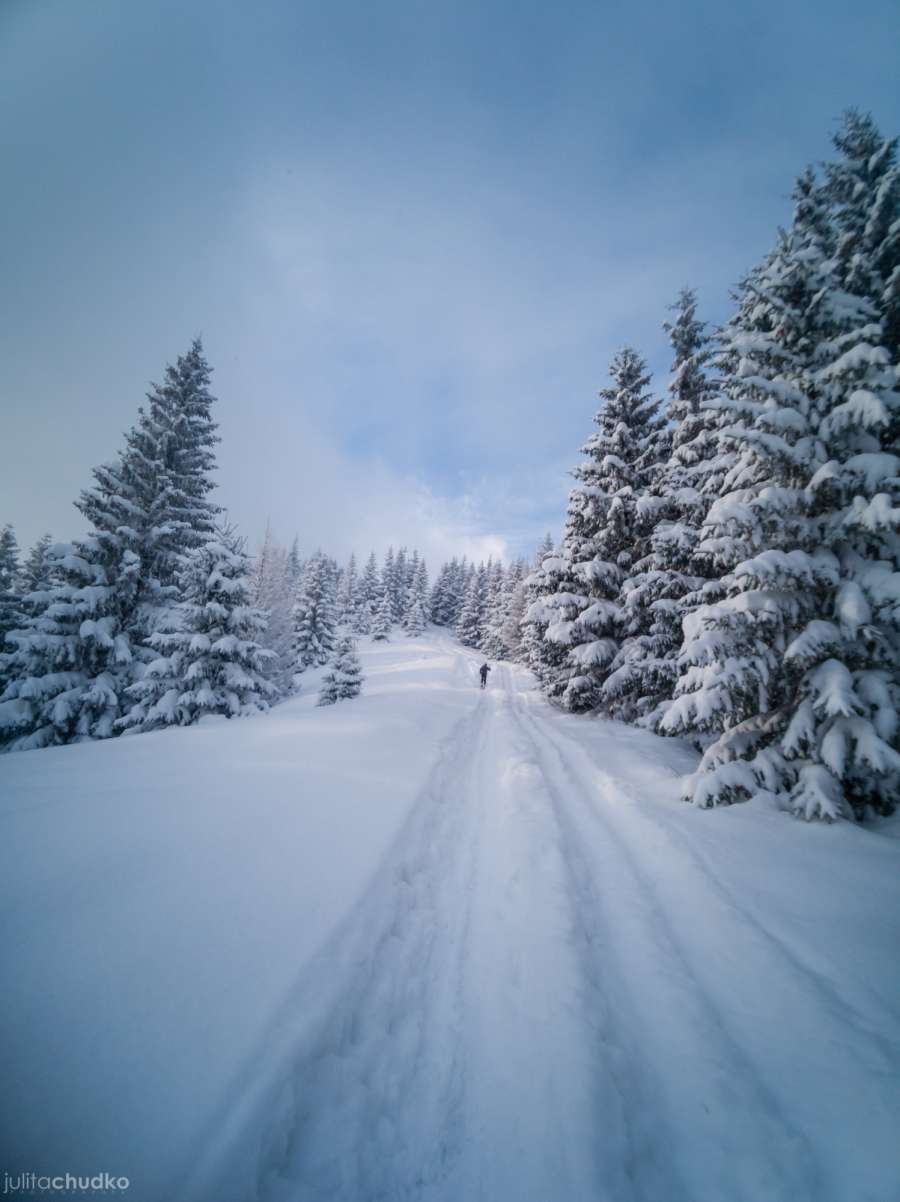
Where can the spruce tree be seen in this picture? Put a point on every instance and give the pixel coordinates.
(314, 618)
(347, 599)
(399, 586)
(459, 582)
(273, 595)
(442, 594)
(413, 586)
(294, 566)
(842, 745)
(604, 527)
(212, 661)
(389, 581)
(422, 588)
(862, 186)
(11, 615)
(166, 475)
(792, 676)
(36, 573)
(535, 652)
(414, 621)
(492, 642)
(88, 640)
(70, 664)
(670, 570)
(514, 604)
(76, 654)
(9, 560)
(10, 582)
(368, 596)
(470, 625)
(415, 617)
(381, 623)
(344, 679)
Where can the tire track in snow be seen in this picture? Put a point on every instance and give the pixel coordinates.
(674, 1052)
(885, 1049)
(455, 1063)
(521, 1008)
(748, 972)
(371, 1107)
(531, 1097)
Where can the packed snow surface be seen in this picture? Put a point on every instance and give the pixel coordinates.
(439, 944)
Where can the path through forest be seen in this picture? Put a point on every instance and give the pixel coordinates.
(557, 994)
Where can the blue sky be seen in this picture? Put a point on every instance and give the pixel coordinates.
(411, 234)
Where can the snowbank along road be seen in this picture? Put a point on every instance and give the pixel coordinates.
(531, 975)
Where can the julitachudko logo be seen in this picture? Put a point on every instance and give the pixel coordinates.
(26, 1184)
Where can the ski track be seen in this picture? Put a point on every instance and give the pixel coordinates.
(530, 1007)
(345, 1126)
(703, 872)
(625, 929)
(770, 1153)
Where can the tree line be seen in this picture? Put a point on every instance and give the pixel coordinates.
(729, 569)
(730, 565)
(158, 615)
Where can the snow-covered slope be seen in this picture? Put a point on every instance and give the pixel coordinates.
(443, 944)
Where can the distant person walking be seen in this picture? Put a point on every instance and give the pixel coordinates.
(484, 669)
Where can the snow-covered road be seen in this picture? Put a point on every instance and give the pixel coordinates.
(568, 1001)
(445, 945)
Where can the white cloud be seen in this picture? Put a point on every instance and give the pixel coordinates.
(302, 482)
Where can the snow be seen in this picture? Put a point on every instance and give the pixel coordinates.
(443, 944)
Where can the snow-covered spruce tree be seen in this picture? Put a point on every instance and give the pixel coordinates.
(165, 476)
(605, 524)
(361, 621)
(167, 470)
(273, 595)
(381, 623)
(36, 572)
(842, 744)
(189, 454)
(348, 587)
(333, 577)
(415, 617)
(413, 564)
(19, 609)
(514, 603)
(470, 626)
(389, 581)
(492, 641)
(9, 559)
(401, 570)
(793, 675)
(448, 593)
(545, 659)
(400, 585)
(11, 615)
(863, 187)
(368, 597)
(670, 572)
(731, 681)
(344, 679)
(294, 565)
(422, 588)
(44, 676)
(86, 642)
(74, 656)
(9, 581)
(313, 616)
(213, 662)
(414, 620)
(459, 583)
(441, 601)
